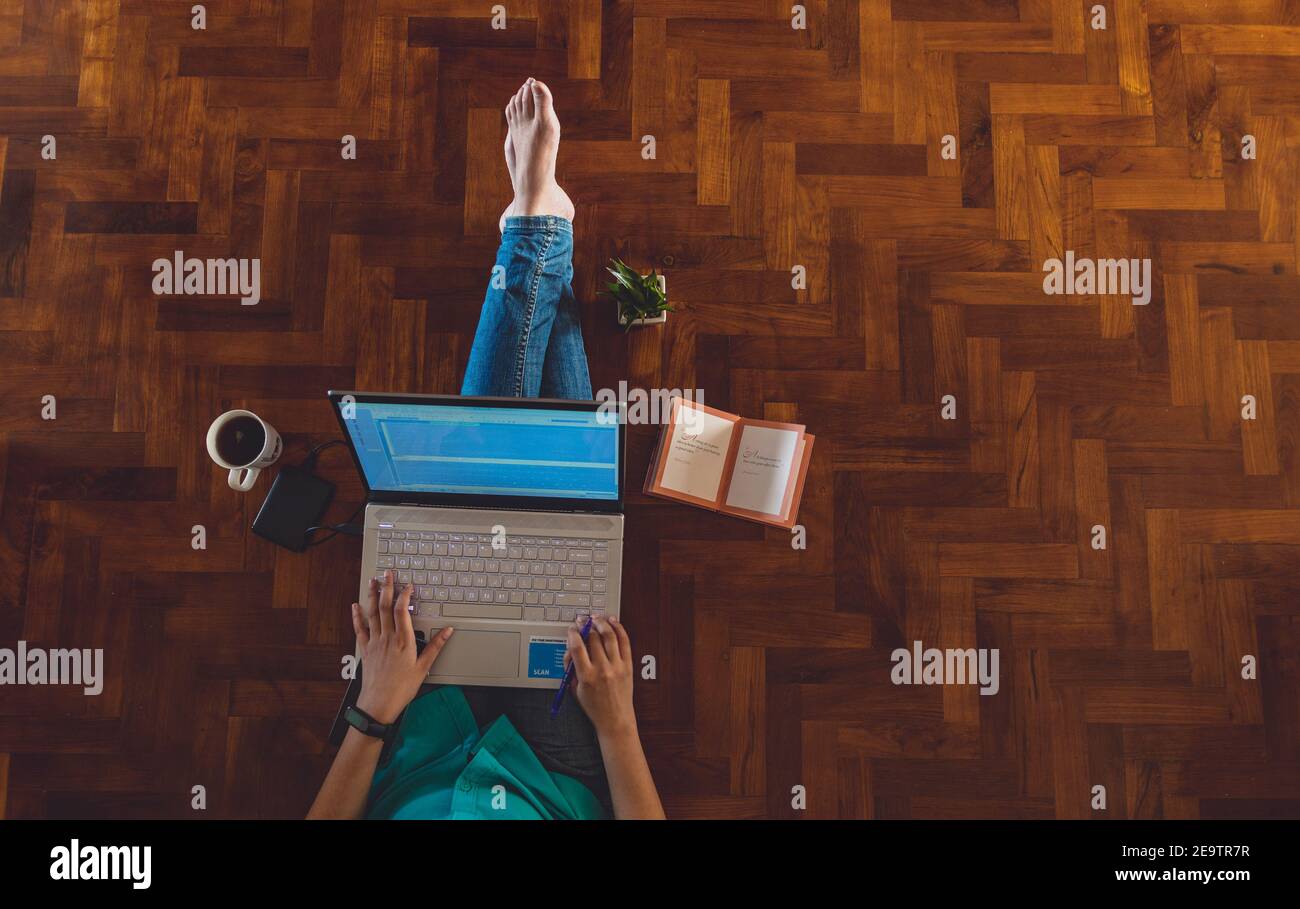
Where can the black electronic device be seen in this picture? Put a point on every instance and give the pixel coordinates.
(295, 504)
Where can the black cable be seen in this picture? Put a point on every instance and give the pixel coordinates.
(309, 463)
(335, 529)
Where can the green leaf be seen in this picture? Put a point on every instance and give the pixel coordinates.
(638, 296)
(624, 284)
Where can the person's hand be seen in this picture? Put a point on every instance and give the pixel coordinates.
(392, 671)
(604, 674)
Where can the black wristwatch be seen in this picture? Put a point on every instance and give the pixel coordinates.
(366, 724)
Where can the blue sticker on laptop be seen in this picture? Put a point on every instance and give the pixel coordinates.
(546, 657)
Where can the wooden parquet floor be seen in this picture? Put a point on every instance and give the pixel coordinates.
(775, 147)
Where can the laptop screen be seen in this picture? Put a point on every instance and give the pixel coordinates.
(486, 451)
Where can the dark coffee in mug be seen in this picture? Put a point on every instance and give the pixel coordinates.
(244, 444)
(241, 440)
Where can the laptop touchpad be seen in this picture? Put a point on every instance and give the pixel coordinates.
(483, 654)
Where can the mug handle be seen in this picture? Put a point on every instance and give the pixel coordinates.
(249, 478)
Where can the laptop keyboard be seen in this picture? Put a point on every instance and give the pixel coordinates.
(461, 575)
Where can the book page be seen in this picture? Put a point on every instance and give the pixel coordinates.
(761, 473)
(696, 454)
(799, 458)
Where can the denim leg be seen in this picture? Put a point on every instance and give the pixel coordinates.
(517, 326)
(564, 373)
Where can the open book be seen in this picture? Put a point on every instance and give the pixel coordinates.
(752, 469)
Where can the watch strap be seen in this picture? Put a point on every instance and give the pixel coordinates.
(364, 723)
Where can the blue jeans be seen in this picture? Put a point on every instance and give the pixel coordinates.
(529, 344)
(529, 341)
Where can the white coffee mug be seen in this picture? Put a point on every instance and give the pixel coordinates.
(243, 443)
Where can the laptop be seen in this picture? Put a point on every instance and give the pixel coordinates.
(505, 513)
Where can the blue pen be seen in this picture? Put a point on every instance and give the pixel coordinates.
(568, 675)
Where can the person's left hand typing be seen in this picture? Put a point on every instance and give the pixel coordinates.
(393, 669)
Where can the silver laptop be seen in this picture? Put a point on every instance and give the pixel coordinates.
(505, 513)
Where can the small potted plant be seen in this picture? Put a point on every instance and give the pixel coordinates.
(642, 299)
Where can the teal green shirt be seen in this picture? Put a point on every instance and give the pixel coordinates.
(442, 768)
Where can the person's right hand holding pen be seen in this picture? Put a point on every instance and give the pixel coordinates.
(604, 668)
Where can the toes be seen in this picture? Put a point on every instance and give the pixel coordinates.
(529, 106)
(515, 108)
(542, 96)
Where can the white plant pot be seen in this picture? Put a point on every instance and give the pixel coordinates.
(654, 320)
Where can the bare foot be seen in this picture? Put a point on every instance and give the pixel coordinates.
(533, 143)
(510, 166)
(510, 157)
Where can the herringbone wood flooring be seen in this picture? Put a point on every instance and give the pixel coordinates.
(775, 147)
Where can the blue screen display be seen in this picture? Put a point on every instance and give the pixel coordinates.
(494, 451)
